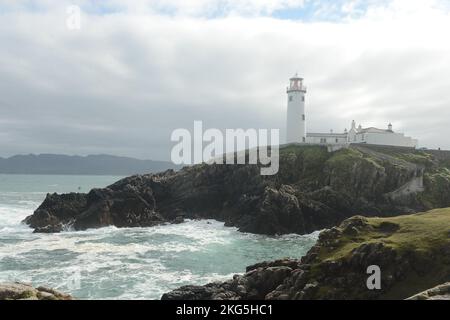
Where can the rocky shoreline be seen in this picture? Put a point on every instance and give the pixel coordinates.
(441, 292)
(22, 291)
(372, 194)
(314, 189)
(412, 252)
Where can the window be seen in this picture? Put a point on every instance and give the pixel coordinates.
(337, 140)
(291, 98)
(323, 140)
(304, 139)
(303, 98)
(303, 117)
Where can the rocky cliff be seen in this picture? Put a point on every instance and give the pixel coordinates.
(412, 252)
(314, 189)
(441, 292)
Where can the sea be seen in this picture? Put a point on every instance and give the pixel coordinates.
(123, 263)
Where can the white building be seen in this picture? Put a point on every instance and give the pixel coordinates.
(296, 118)
(296, 126)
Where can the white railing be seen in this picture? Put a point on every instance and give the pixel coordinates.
(302, 88)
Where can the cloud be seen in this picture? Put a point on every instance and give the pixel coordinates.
(124, 81)
(196, 8)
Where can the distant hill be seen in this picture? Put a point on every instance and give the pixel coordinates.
(88, 165)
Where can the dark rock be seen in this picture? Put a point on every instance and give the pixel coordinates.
(388, 227)
(178, 220)
(293, 264)
(211, 291)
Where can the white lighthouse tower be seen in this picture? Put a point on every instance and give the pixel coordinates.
(296, 118)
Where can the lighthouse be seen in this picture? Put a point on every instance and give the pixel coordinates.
(296, 118)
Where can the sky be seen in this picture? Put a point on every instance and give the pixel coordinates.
(138, 69)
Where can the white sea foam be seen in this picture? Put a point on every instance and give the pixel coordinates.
(11, 218)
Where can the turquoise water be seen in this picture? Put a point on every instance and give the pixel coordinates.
(132, 263)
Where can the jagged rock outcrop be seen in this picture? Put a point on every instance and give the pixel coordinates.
(314, 189)
(412, 252)
(21, 291)
(441, 292)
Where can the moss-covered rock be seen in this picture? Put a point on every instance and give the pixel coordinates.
(437, 187)
(412, 252)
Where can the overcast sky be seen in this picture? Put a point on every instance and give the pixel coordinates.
(138, 69)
